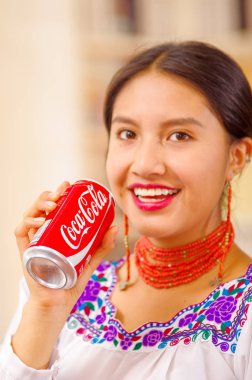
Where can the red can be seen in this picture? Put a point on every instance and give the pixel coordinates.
(70, 235)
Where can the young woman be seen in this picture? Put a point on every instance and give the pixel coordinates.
(179, 118)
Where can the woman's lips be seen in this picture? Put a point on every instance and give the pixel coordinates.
(151, 197)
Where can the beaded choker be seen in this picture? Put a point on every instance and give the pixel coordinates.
(165, 268)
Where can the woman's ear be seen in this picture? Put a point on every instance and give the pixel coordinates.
(240, 154)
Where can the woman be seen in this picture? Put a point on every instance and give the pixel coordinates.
(179, 119)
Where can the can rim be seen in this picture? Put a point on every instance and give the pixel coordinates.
(40, 251)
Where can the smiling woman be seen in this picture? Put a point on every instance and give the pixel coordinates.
(179, 119)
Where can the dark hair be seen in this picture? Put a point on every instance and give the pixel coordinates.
(217, 76)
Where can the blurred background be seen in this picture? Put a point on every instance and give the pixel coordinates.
(57, 56)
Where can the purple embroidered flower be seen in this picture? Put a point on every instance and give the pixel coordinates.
(222, 309)
(125, 343)
(100, 318)
(152, 338)
(110, 334)
(91, 291)
(103, 266)
(187, 319)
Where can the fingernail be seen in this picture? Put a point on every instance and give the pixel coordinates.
(50, 204)
(39, 220)
(54, 195)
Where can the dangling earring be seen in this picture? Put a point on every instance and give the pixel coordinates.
(229, 195)
(229, 234)
(123, 284)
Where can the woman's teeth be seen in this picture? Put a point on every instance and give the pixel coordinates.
(150, 195)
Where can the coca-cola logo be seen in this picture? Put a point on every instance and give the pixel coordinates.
(86, 216)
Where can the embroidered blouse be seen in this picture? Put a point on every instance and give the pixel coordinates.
(208, 340)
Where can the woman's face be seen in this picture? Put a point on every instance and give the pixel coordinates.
(168, 159)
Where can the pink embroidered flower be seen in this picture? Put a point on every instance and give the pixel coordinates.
(152, 338)
(222, 309)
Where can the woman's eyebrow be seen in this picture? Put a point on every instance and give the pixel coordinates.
(169, 122)
(124, 120)
(182, 121)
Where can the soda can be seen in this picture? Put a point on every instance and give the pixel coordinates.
(71, 233)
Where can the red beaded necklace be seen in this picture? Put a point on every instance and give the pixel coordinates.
(165, 268)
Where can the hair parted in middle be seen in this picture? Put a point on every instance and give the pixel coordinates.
(212, 72)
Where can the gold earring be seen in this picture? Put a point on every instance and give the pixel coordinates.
(123, 284)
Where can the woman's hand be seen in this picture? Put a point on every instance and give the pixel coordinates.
(33, 219)
(46, 311)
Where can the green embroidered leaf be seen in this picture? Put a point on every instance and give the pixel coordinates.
(89, 305)
(206, 335)
(223, 327)
(102, 279)
(195, 336)
(115, 341)
(137, 346)
(250, 299)
(235, 291)
(175, 330)
(196, 308)
(216, 295)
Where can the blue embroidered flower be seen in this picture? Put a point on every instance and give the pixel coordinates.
(222, 309)
(152, 338)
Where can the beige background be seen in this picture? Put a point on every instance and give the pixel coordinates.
(56, 58)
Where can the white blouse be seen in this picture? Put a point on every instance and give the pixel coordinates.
(207, 341)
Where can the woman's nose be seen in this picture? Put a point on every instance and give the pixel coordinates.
(149, 160)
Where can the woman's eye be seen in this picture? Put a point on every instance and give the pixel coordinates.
(126, 134)
(179, 136)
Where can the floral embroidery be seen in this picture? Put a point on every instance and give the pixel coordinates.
(218, 319)
(125, 343)
(110, 333)
(92, 290)
(187, 320)
(152, 338)
(222, 309)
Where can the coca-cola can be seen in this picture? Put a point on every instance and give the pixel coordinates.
(71, 233)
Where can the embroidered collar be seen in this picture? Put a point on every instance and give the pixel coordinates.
(218, 318)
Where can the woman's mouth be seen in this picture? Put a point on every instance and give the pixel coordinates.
(152, 197)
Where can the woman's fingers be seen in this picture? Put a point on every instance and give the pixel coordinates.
(34, 217)
(54, 196)
(46, 202)
(22, 232)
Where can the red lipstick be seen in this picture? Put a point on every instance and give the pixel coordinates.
(154, 200)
